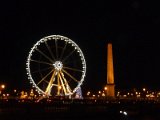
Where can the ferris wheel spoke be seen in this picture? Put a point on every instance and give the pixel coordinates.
(70, 75)
(41, 62)
(43, 79)
(46, 81)
(48, 89)
(68, 56)
(74, 69)
(49, 49)
(42, 70)
(64, 48)
(44, 55)
(58, 85)
(56, 45)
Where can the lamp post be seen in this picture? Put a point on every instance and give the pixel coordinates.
(2, 87)
(144, 93)
(105, 89)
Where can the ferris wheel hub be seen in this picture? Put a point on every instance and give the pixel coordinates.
(58, 65)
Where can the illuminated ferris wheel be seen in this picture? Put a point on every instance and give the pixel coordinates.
(56, 66)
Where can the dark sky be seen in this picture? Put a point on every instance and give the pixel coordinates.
(132, 27)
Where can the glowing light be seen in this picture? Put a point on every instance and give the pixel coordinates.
(15, 90)
(3, 86)
(125, 113)
(105, 88)
(58, 65)
(103, 94)
(124, 95)
(88, 93)
(144, 89)
(138, 95)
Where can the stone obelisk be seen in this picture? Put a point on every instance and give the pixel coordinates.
(110, 87)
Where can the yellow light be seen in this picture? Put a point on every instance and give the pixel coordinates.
(138, 95)
(103, 94)
(144, 89)
(105, 88)
(59, 87)
(147, 95)
(88, 93)
(3, 86)
(124, 95)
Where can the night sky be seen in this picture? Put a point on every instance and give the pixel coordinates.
(132, 27)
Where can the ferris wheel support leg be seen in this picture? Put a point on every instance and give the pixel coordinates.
(48, 89)
(61, 80)
(59, 86)
(66, 83)
(42, 97)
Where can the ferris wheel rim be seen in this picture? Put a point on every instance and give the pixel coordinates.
(45, 39)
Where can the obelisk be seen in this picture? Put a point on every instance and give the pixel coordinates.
(110, 87)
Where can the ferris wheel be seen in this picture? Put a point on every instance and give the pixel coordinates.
(56, 66)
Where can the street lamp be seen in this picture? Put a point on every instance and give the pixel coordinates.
(105, 89)
(144, 89)
(3, 86)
